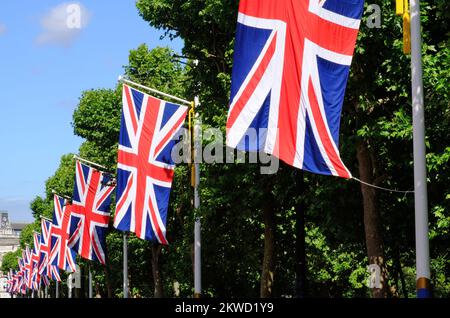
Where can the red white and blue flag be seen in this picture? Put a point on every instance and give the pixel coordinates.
(46, 269)
(291, 64)
(21, 286)
(35, 256)
(17, 281)
(9, 281)
(61, 254)
(90, 212)
(145, 169)
(28, 267)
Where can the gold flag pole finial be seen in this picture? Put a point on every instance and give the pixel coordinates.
(399, 7)
(402, 9)
(191, 116)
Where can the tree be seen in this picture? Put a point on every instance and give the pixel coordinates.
(9, 261)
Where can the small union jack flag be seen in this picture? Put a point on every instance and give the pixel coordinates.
(21, 279)
(291, 64)
(28, 267)
(145, 166)
(90, 215)
(46, 269)
(9, 281)
(15, 285)
(60, 253)
(35, 256)
(21, 274)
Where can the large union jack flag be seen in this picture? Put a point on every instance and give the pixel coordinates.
(61, 254)
(291, 64)
(90, 215)
(145, 166)
(46, 269)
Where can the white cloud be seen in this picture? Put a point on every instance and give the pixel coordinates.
(62, 24)
(2, 29)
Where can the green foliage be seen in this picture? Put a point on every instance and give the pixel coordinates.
(41, 207)
(26, 236)
(157, 68)
(96, 118)
(9, 261)
(63, 180)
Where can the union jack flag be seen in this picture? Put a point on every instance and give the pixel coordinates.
(291, 64)
(28, 267)
(90, 216)
(21, 279)
(145, 166)
(60, 253)
(14, 282)
(35, 256)
(9, 281)
(15, 288)
(46, 269)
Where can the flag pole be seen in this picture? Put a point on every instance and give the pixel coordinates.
(90, 162)
(178, 99)
(125, 265)
(197, 227)
(90, 282)
(61, 195)
(420, 175)
(300, 239)
(69, 285)
(57, 290)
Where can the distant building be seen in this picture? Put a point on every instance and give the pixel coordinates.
(9, 241)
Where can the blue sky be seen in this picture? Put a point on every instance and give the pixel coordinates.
(44, 67)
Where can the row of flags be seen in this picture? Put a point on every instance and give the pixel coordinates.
(291, 65)
(77, 227)
(144, 176)
(36, 267)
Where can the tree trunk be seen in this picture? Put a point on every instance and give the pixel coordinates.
(268, 265)
(300, 237)
(107, 269)
(157, 280)
(400, 273)
(372, 226)
(80, 292)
